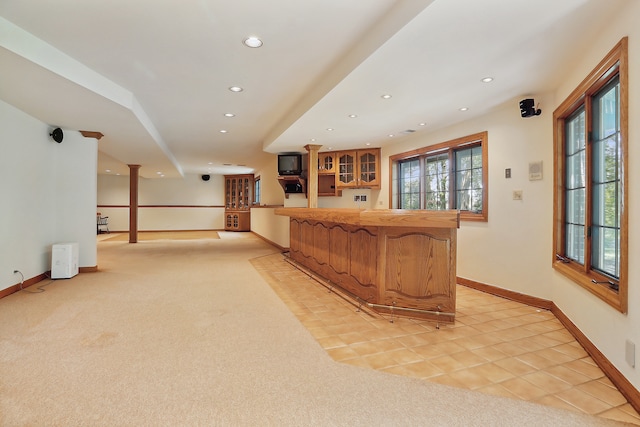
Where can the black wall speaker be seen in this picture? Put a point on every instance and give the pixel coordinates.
(57, 135)
(528, 109)
(206, 177)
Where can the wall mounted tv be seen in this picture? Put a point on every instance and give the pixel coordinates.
(290, 164)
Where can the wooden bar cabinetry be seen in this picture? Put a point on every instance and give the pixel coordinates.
(396, 261)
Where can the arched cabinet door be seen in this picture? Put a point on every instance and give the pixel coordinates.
(347, 169)
(368, 165)
(326, 163)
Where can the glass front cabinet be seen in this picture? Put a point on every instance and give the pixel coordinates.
(238, 191)
(358, 169)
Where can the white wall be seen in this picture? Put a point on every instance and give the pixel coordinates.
(515, 241)
(49, 195)
(274, 228)
(199, 204)
(264, 221)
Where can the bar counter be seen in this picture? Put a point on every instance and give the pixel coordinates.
(396, 261)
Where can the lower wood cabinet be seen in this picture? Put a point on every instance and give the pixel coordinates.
(237, 220)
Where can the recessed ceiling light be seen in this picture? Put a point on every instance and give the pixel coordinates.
(385, 96)
(390, 135)
(312, 140)
(353, 116)
(108, 171)
(464, 109)
(329, 148)
(159, 173)
(223, 131)
(236, 89)
(329, 129)
(252, 42)
(210, 163)
(367, 144)
(422, 124)
(229, 115)
(487, 79)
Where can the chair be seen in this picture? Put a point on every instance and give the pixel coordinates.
(103, 224)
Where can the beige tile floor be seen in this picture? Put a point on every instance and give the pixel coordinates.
(495, 346)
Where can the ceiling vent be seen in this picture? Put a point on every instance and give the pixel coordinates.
(408, 131)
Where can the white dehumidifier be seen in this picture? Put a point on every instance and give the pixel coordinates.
(64, 260)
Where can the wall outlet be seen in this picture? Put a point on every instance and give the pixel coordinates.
(630, 353)
(507, 173)
(517, 194)
(356, 198)
(363, 197)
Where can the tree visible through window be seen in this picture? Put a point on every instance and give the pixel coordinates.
(591, 133)
(437, 182)
(449, 175)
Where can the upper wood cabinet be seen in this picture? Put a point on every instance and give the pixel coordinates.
(358, 169)
(326, 163)
(238, 190)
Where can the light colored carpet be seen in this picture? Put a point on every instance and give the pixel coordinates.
(162, 235)
(187, 333)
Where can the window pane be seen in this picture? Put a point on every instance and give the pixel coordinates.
(437, 182)
(605, 111)
(463, 200)
(463, 179)
(605, 244)
(409, 184)
(576, 173)
(575, 184)
(256, 191)
(575, 206)
(575, 133)
(469, 179)
(606, 191)
(476, 156)
(476, 200)
(575, 243)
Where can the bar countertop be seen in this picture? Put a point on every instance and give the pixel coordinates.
(377, 217)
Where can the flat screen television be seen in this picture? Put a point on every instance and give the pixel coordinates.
(290, 164)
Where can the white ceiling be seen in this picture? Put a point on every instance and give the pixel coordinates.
(153, 76)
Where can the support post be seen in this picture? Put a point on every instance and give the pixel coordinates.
(312, 175)
(133, 203)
